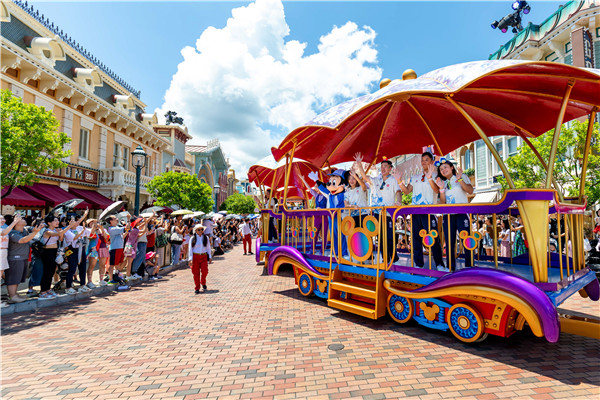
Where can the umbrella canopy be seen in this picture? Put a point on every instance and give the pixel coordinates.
(222, 212)
(123, 216)
(263, 172)
(508, 97)
(181, 212)
(194, 215)
(217, 217)
(157, 209)
(209, 215)
(112, 209)
(62, 208)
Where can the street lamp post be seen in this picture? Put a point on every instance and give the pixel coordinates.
(217, 189)
(138, 160)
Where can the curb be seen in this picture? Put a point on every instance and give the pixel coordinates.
(35, 304)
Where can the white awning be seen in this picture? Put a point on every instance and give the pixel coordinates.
(485, 197)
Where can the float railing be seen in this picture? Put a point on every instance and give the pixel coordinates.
(357, 237)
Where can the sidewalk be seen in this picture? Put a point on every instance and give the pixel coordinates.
(253, 336)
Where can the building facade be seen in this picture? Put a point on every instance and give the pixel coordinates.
(571, 35)
(210, 166)
(176, 158)
(100, 112)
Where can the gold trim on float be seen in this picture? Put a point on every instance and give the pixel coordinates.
(437, 146)
(559, 122)
(586, 152)
(486, 140)
(593, 80)
(359, 124)
(387, 117)
(534, 214)
(582, 326)
(287, 260)
(528, 93)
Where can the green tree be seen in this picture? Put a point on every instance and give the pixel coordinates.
(527, 171)
(181, 189)
(239, 204)
(31, 144)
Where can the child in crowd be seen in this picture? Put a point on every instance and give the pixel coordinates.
(152, 266)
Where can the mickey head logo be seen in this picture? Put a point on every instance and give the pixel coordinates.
(470, 242)
(430, 312)
(294, 232)
(312, 231)
(360, 242)
(428, 238)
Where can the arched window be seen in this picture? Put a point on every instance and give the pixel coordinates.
(467, 159)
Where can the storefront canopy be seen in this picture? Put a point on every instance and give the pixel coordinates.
(20, 198)
(98, 201)
(53, 195)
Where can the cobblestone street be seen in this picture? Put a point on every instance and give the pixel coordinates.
(252, 336)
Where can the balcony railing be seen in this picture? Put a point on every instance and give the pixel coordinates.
(121, 177)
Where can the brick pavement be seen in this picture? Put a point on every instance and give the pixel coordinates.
(252, 336)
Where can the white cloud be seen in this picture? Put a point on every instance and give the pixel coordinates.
(249, 87)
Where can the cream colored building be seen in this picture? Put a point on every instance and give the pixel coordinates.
(102, 114)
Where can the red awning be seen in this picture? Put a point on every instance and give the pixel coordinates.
(21, 198)
(98, 201)
(53, 195)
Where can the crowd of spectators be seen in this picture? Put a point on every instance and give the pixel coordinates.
(70, 253)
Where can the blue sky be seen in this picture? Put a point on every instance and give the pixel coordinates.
(143, 41)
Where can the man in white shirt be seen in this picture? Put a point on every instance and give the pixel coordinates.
(200, 255)
(246, 236)
(208, 226)
(384, 192)
(424, 191)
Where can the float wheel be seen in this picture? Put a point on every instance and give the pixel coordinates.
(305, 284)
(400, 308)
(482, 338)
(465, 323)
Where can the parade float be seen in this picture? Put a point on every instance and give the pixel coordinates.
(447, 108)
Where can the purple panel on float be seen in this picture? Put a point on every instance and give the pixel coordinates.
(593, 290)
(257, 249)
(294, 254)
(510, 283)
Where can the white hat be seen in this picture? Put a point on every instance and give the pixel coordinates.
(198, 226)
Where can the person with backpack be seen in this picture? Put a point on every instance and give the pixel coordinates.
(200, 256)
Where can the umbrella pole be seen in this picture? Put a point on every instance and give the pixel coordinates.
(288, 172)
(544, 165)
(559, 122)
(260, 185)
(586, 153)
(485, 139)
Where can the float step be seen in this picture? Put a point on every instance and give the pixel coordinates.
(353, 308)
(355, 288)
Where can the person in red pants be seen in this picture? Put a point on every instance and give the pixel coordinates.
(200, 255)
(247, 236)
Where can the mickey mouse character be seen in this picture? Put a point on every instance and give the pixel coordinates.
(334, 191)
